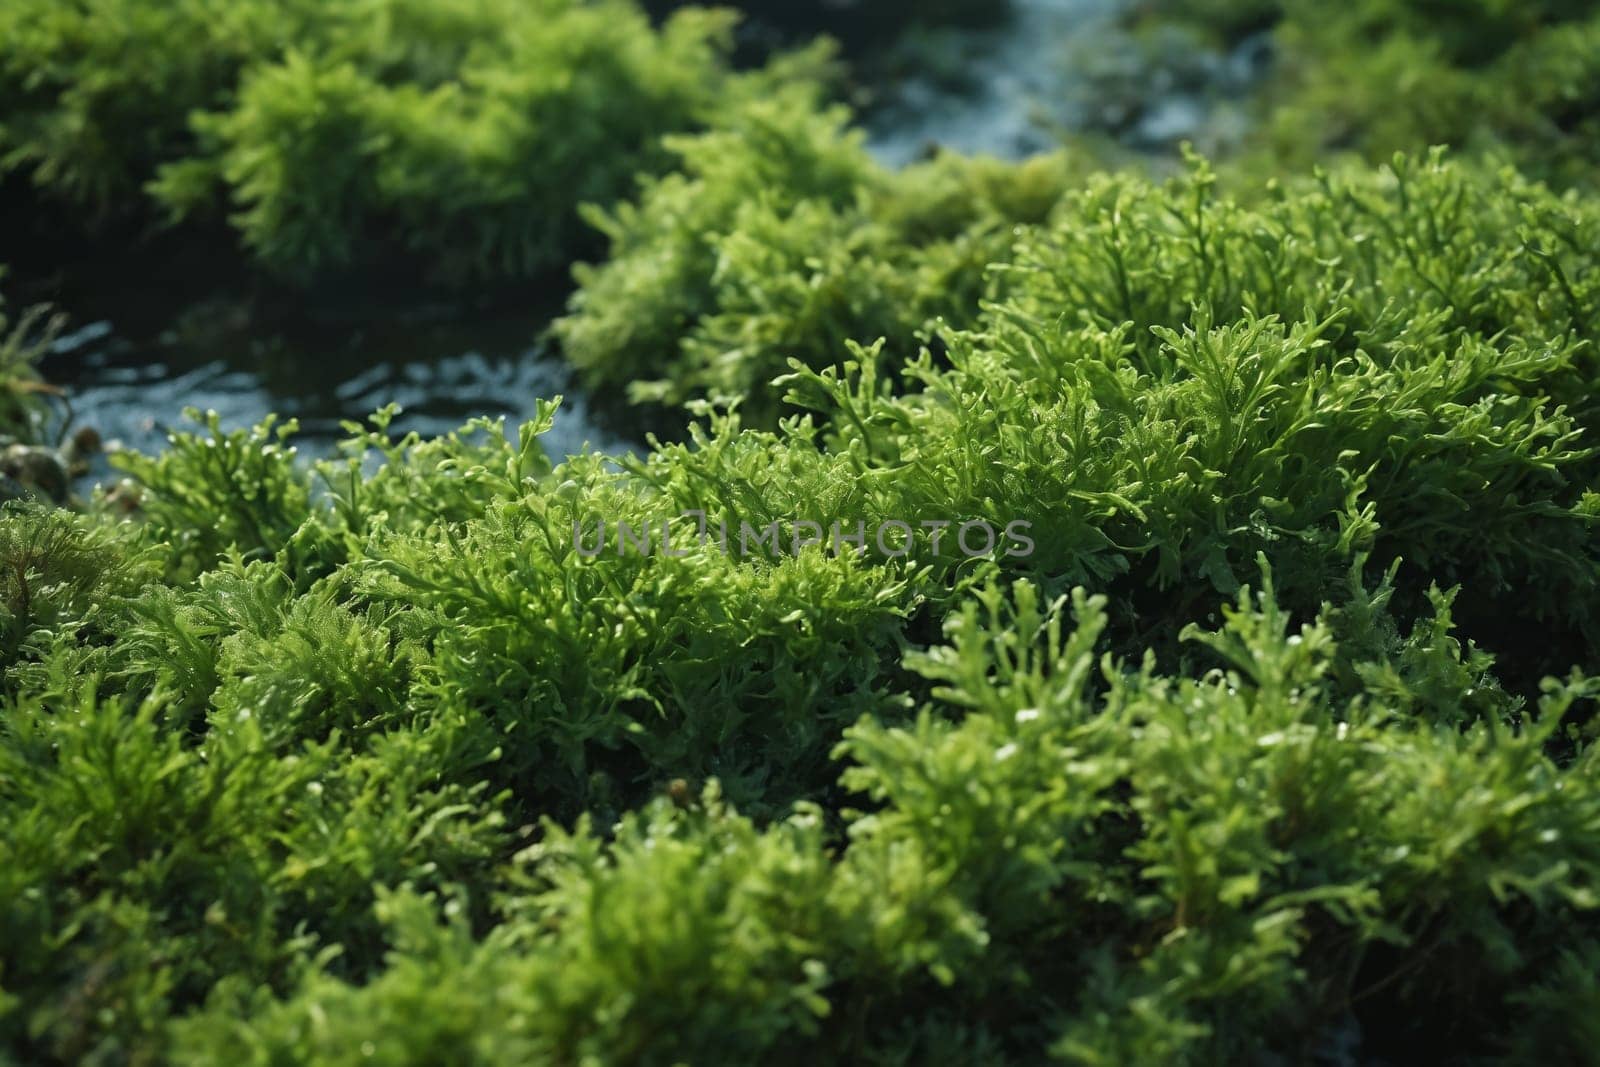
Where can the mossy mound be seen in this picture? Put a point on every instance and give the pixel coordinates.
(1249, 756)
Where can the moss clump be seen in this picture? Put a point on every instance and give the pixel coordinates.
(1382, 76)
(781, 239)
(773, 248)
(1251, 756)
(336, 137)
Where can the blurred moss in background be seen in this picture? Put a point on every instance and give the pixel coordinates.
(1373, 77)
(459, 136)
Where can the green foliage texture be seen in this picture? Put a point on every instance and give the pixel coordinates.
(24, 414)
(1273, 747)
(457, 136)
(1378, 76)
(779, 238)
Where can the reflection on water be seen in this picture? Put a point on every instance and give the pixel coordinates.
(133, 388)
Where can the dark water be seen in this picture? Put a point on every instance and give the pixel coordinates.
(149, 338)
(1009, 90)
(133, 384)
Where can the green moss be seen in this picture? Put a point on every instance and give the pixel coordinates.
(369, 757)
(1271, 745)
(337, 137)
(25, 413)
(781, 240)
(1382, 76)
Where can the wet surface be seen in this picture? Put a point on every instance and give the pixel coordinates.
(1059, 69)
(133, 388)
(1006, 91)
